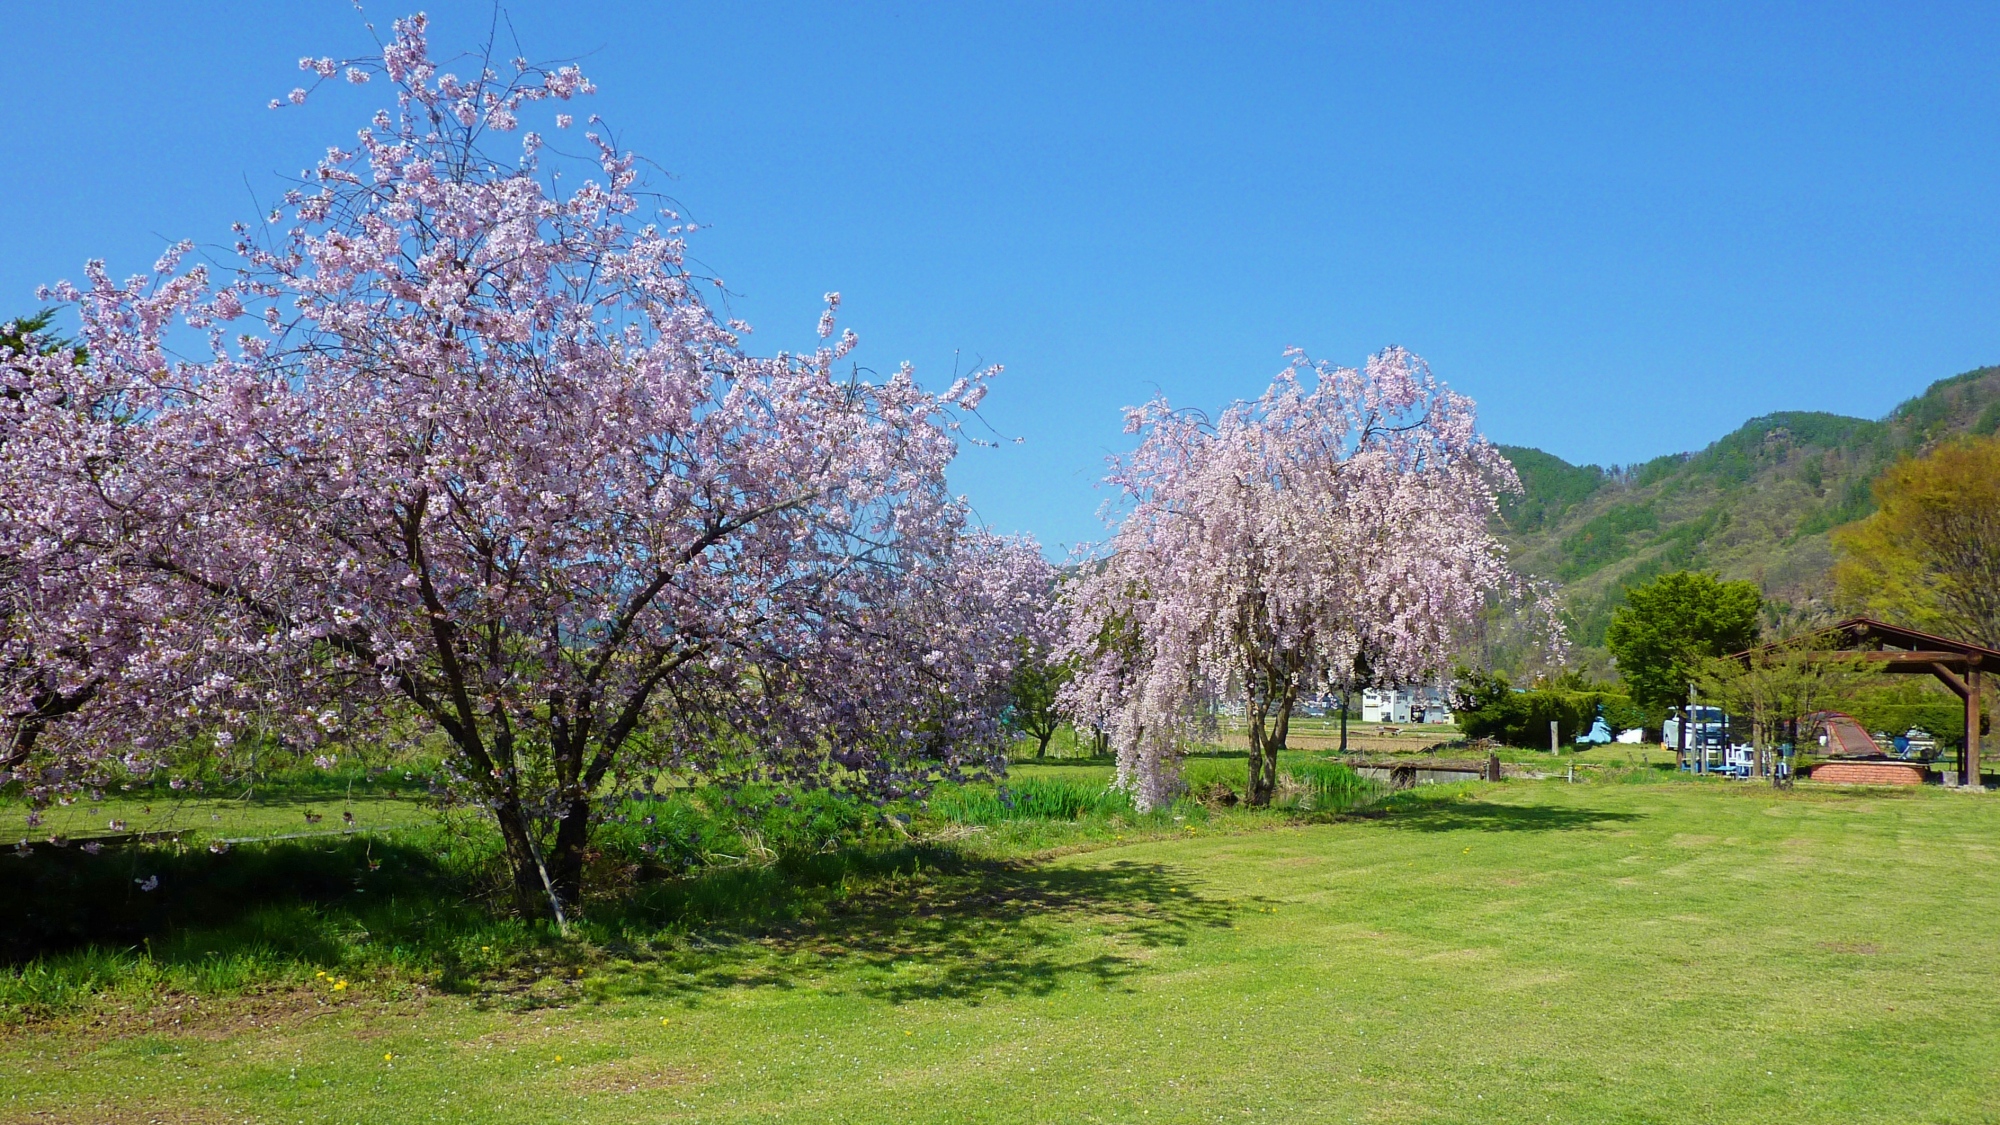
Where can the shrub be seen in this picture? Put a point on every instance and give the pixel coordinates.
(1488, 706)
(1329, 785)
(683, 829)
(1945, 718)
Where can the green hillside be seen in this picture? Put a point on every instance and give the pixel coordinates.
(1756, 505)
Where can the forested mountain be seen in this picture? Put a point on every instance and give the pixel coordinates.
(1757, 504)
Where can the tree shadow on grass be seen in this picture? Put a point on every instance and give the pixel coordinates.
(898, 924)
(1474, 816)
(292, 899)
(979, 930)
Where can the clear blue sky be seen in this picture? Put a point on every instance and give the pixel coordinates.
(1622, 230)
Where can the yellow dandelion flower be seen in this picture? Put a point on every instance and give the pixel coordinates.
(339, 985)
(558, 1058)
(664, 1021)
(386, 1056)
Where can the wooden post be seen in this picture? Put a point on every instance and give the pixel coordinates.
(1973, 713)
(1555, 741)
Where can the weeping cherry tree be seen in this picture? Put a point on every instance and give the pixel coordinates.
(1340, 522)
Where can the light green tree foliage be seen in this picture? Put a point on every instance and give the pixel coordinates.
(1779, 686)
(1038, 681)
(1930, 555)
(1669, 628)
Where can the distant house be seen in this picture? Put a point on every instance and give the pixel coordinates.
(1407, 704)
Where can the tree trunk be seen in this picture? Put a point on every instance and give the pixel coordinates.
(1042, 748)
(1344, 700)
(1275, 703)
(546, 885)
(1280, 731)
(566, 858)
(1257, 791)
(532, 880)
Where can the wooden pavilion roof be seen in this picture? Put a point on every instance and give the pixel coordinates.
(1899, 645)
(1902, 649)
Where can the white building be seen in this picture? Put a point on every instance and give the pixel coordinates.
(1421, 704)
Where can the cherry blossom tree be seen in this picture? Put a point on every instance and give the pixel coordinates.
(1336, 527)
(465, 442)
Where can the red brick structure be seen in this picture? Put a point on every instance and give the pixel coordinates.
(1868, 773)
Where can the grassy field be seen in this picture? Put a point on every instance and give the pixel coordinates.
(1527, 951)
(1315, 734)
(304, 805)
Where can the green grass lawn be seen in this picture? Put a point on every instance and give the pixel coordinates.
(392, 799)
(1528, 951)
(1319, 735)
(214, 820)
